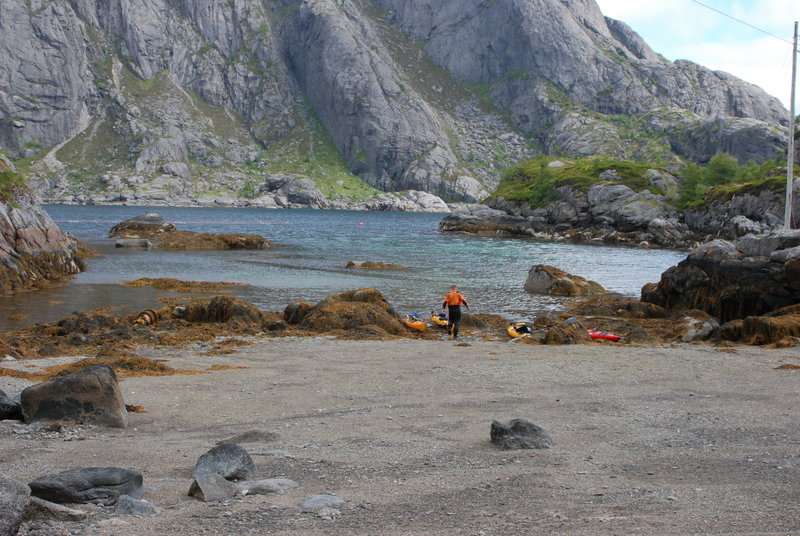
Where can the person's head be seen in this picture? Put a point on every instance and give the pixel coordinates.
(453, 287)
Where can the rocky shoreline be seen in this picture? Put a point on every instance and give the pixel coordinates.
(613, 213)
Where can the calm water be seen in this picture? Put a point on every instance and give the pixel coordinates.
(307, 262)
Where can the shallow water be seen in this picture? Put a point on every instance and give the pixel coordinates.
(307, 262)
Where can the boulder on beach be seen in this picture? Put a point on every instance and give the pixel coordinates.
(356, 313)
(519, 434)
(90, 396)
(215, 470)
(101, 485)
(730, 280)
(14, 500)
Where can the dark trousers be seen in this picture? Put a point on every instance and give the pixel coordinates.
(453, 319)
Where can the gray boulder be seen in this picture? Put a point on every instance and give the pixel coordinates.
(215, 470)
(42, 509)
(14, 500)
(130, 506)
(101, 485)
(320, 501)
(519, 434)
(91, 396)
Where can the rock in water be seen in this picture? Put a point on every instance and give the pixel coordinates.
(102, 485)
(519, 434)
(89, 396)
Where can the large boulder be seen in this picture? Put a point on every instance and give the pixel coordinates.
(101, 485)
(732, 280)
(219, 309)
(89, 396)
(33, 251)
(543, 279)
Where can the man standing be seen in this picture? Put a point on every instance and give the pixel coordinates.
(453, 301)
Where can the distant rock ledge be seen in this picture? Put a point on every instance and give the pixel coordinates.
(276, 191)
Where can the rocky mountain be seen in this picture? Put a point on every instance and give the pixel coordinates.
(204, 101)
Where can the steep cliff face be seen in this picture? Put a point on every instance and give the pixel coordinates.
(170, 101)
(556, 62)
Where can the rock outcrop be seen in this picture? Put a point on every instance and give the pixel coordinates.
(159, 102)
(613, 213)
(732, 281)
(34, 252)
(150, 229)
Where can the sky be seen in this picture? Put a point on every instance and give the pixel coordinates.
(684, 29)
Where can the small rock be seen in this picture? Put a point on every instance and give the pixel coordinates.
(315, 503)
(130, 506)
(519, 434)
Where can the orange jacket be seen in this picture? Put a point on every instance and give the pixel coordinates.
(454, 297)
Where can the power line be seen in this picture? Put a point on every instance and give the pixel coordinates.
(742, 22)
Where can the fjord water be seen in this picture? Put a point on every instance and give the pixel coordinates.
(308, 258)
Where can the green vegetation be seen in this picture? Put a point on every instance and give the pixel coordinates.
(535, 182)
(723, 177)
(308, 150)
(11, 184)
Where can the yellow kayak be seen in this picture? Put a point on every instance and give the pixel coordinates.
(415, 322)
(439, 319)
(518, 330)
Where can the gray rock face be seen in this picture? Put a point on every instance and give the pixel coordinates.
(102, 485)
(519, 434)
(157, 102)
(385, 131)
(586, 67)
(89, 396)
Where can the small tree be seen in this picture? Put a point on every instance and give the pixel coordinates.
(722, 168)
(691, 187)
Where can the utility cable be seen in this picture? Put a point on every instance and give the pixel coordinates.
(742, 22)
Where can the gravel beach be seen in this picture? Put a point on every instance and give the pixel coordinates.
(685, 439)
